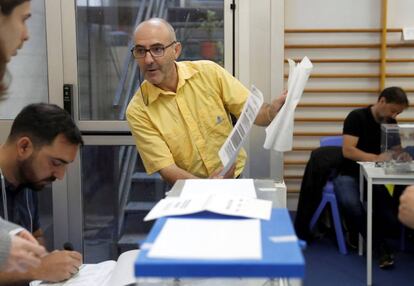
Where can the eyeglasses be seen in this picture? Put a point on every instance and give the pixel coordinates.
(156, 51)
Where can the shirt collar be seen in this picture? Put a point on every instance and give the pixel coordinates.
(153, 92)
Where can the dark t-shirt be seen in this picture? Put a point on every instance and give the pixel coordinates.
(361, 123)
(22, 207)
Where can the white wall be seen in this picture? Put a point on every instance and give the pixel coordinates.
(328, 13)
(260, 39)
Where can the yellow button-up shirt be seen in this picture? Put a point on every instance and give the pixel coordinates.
(187, 127)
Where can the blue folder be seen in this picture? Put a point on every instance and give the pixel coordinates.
(279, 259)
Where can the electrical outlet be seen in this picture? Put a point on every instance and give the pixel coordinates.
(408, 34)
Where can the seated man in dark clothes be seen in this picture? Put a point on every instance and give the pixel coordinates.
(362, 142)
(42, 141)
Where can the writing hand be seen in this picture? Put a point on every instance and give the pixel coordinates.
(59, 265)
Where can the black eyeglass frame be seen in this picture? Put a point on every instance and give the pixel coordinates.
(149, 50)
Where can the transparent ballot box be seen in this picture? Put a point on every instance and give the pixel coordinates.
(397, 146)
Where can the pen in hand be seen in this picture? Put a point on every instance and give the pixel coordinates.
(68, 246)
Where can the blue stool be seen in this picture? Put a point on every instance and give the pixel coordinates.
(328, 196)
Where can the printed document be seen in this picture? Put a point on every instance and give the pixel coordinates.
(208, 239)
(279, 133)
(221, 204)
(231, 147)
(107, 273)
(235, 187)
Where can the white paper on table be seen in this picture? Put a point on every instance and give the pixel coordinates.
(221, 204)
(208, 239)
(279, 134)
(367, 164)
(107, 273)
(231, 147)
(236, 187)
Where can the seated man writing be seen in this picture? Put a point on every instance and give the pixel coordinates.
(362, 142)
(43, 140)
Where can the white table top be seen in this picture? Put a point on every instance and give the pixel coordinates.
(378, 175)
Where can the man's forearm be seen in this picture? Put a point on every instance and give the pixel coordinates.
(173, 173)
(15, 278)
(265, 115)
(356, 154)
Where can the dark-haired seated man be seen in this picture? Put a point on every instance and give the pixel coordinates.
(362, 142)
(42, 142)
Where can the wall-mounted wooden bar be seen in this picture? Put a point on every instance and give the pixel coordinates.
(323, 105)
(301, 149)
(335, 105)
(348, 90)
(338, 119)
(399, 75)
(319, 119)
(337, 60)
(343, 75)
(360, 30)
(295, 162)
(315, 134)
(342, 90)
(293, 177)
(406, 60)
(347, 46)
(359, 75)
(384, 44)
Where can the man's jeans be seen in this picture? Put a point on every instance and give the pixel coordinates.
(346, 189)
(347, 193)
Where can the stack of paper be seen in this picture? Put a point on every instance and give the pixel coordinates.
(208, 239)
(279, 134)
(203, 187)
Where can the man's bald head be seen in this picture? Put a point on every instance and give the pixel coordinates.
(156, 42)
(156, 23)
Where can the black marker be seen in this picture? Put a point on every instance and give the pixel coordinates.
(68, 246)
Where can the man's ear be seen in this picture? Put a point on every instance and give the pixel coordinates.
(24, 148)
(382, 100)
(177, 50)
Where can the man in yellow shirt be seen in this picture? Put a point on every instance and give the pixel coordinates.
(180, 116)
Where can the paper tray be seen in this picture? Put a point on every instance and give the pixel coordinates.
(280, 259)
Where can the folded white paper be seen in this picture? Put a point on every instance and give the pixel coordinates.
(279, 134)
(221, 204)
(234, 187)
(231, 147)
(208, 239)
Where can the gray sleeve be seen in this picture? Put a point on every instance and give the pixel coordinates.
(5, 240)
(7, 226)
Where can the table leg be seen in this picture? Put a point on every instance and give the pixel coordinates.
(361, 197)
(369, 231)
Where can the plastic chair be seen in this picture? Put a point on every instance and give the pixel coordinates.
(328, 196)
